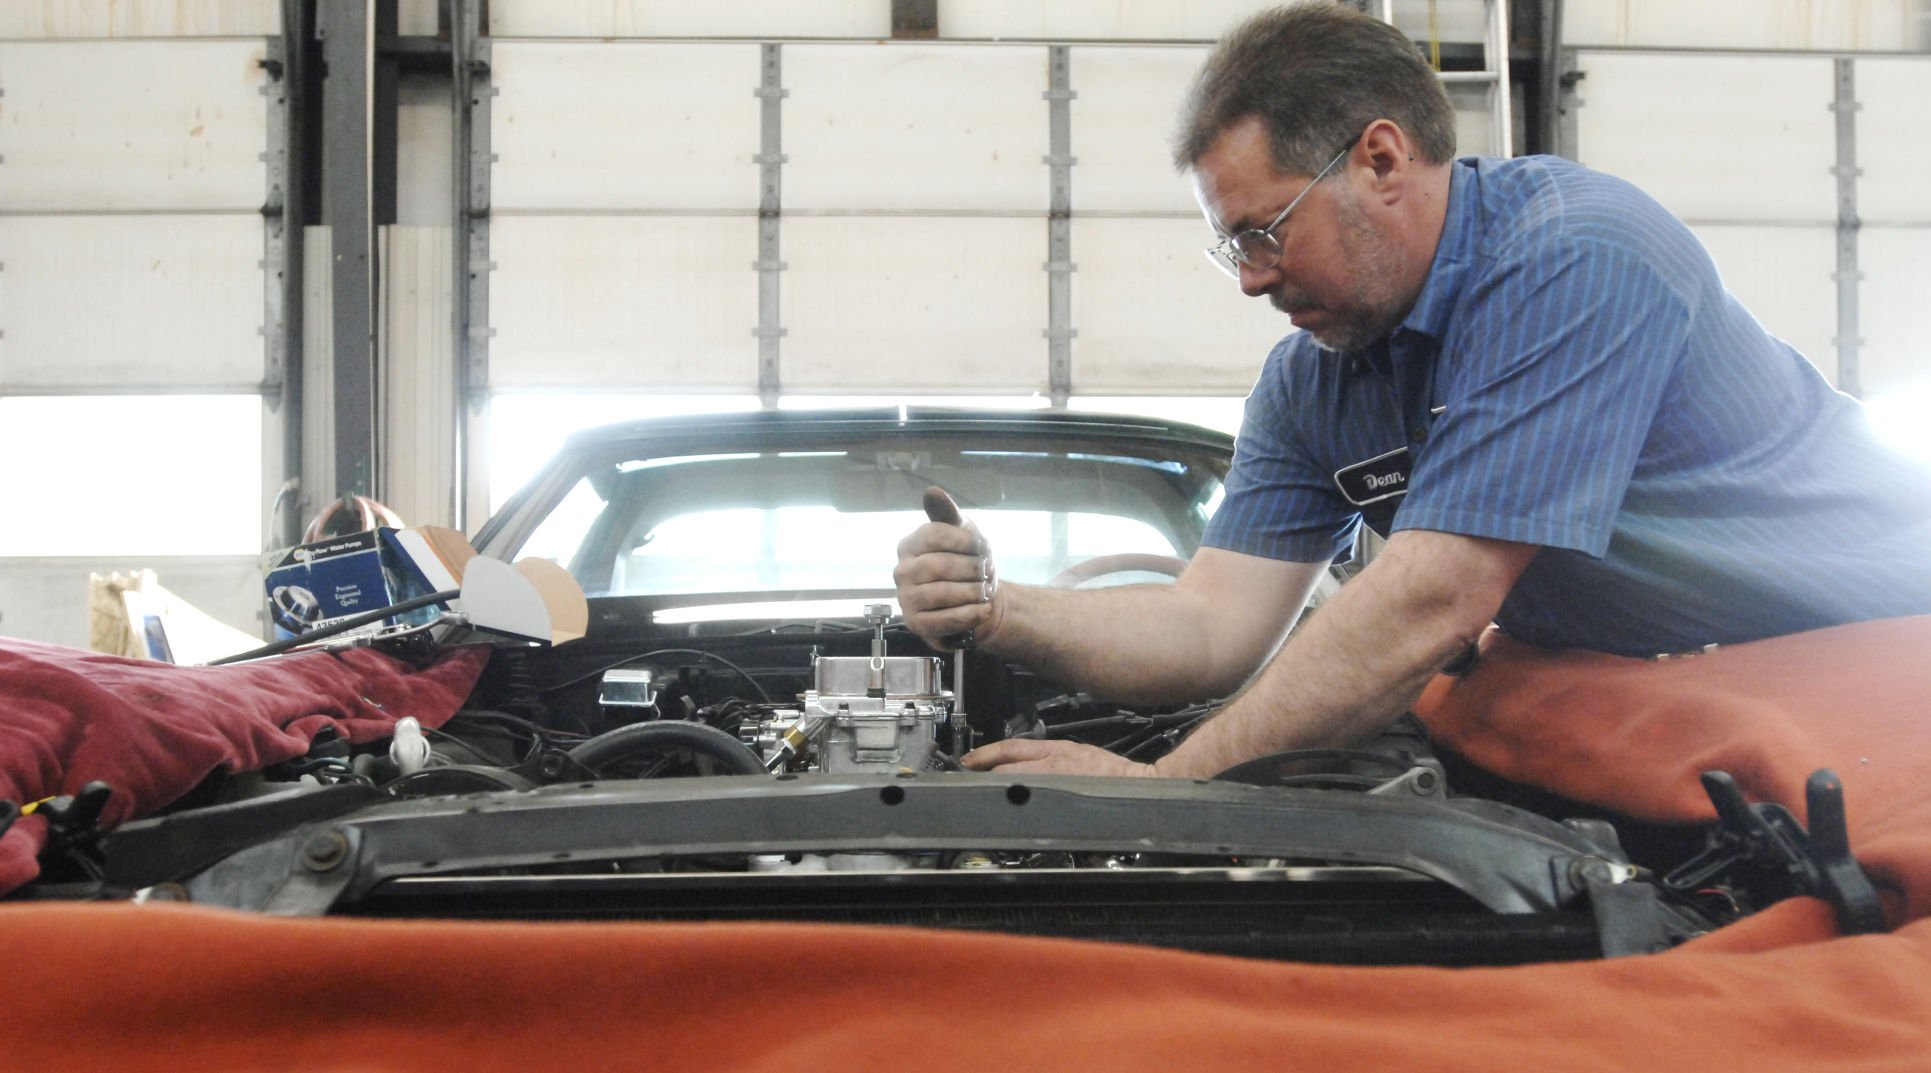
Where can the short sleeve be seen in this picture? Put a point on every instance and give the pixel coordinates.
(1279, 504)
(1549, 380)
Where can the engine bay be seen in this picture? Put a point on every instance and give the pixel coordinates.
(809, 771)
(830, 696)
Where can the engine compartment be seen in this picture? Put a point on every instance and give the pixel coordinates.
(808, 770)
(833, 696)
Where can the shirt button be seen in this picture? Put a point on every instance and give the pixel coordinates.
(1418, 434)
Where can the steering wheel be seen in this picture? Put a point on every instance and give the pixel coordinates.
(1119, 563)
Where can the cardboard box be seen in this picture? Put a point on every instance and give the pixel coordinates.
(423, 560)
(319, 584)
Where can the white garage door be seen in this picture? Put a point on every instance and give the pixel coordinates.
(132, 303)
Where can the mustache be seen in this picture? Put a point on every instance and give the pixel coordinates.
(1289, 304)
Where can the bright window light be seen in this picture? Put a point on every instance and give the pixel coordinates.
(1898, 416)
(131, 475)
(525, 430)
(972, 402)
(795, 610)
(1208, 411)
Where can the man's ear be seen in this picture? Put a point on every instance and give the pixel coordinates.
(1386, 148)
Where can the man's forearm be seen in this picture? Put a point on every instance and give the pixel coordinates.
(1130, 641)
(1200, 637)
(1364, 658)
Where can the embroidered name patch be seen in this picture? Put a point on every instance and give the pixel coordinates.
(1378, 478)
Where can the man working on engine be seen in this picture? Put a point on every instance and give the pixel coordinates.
(1527, 374)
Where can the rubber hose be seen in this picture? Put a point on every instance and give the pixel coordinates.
(638, 738)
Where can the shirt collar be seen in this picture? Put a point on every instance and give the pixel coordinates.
(1448, 273)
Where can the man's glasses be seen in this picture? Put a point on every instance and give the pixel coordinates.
(1257, 247)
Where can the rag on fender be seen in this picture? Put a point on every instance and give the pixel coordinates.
(153, 731)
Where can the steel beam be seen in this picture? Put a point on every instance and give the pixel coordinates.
(347, 48)
(1568, 77)
(1546, 132)
(915, 20)
(384, 75)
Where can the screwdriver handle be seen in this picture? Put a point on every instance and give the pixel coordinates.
(942, 508)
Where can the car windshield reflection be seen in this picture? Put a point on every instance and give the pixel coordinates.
(824, 521)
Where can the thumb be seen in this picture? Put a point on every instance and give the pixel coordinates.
(940, 507)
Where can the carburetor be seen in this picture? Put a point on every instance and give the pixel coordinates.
(878, 714)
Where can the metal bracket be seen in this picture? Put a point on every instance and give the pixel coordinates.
(298, 875)
(1629, 918)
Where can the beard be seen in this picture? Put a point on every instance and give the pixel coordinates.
(1373, 304)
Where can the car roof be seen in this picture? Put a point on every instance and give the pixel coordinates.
(783, 427)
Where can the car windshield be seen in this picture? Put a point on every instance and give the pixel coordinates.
(829, 521)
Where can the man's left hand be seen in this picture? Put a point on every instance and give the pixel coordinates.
(1022, 755)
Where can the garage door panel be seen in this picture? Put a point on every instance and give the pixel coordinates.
(915, 128)
(1122, 124)
(1660, 121)
(114, 300)
(1783, 276)
(1894, 140)
(906, 304)
(624, 302)
(140, 18)
(1131, 20)
(133, 125)
(681, 18)
(1154, 317)
(1458, 22)
(1743, 24)
(584, 126)
(1896, 319)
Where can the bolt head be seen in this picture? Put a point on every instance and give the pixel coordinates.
(325, 850)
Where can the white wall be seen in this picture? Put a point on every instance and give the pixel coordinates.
(1744, 148)
(915, 200)
(1759, 25)
(132, 303)
(45, 599)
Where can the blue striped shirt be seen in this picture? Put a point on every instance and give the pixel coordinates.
(1574, 375)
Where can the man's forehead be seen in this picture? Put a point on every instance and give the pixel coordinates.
(1236, 203)
(1235, 180)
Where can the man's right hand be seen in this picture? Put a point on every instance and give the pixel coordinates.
(947, 587)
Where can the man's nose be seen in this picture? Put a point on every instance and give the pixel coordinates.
(1255, 282)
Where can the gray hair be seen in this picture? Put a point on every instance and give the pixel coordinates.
(1315, 74)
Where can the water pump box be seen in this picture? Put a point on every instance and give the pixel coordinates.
(315, 585)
